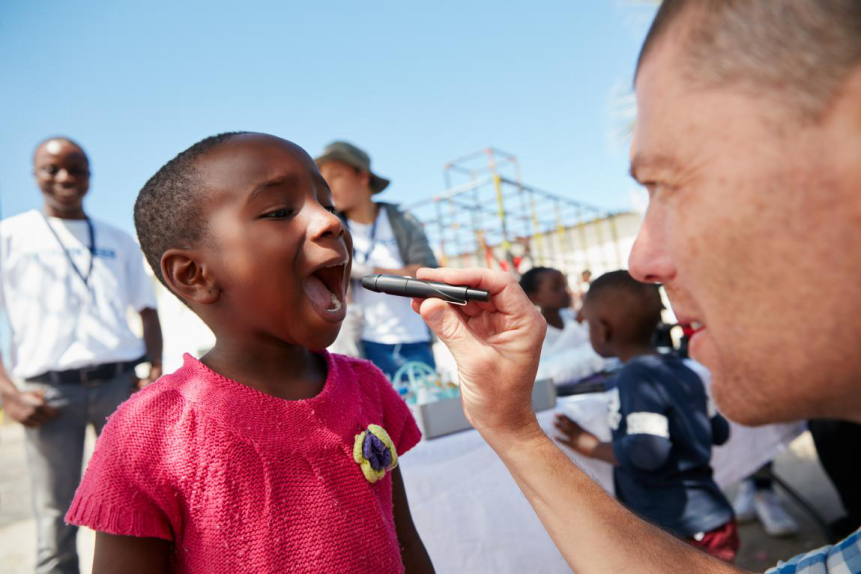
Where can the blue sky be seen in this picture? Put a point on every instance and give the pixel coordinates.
(414, 84)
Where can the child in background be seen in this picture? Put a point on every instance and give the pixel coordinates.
(663, 424)
(268, 454)
(566, 354)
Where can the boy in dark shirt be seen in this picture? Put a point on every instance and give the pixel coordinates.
(662, 421)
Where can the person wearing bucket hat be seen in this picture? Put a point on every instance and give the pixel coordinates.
(386, 239)
(358, 159)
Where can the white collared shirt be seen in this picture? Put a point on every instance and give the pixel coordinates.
(57, 321)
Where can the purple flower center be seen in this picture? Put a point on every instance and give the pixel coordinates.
(376, 452)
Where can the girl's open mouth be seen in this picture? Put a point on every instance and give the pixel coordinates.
(325, 289)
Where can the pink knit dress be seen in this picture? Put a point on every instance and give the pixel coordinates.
(242, 481)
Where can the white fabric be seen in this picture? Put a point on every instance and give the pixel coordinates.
(469, 511)
(57, 322)
(572, 334)
(567, 354)
(648, 423)
(388, 320)
(614, 410)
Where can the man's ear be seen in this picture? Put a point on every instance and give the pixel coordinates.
(188, 278)
(365, 178)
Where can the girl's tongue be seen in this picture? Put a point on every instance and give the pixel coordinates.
(320, 295)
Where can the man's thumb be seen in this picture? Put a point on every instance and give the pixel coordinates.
(444, 321)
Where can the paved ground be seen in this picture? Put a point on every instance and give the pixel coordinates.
(17, 529)
(798, 466)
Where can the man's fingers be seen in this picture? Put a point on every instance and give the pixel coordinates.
(491, 281)
(446, 322)
(563, 421)
(44, 414)
(473, 309)
(506, 295)
(36, 419)
(48, 411)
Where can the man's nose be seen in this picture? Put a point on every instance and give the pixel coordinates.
(650, 261)
(64, 176)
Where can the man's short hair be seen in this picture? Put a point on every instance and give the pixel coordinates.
(168, 208)
(634, 307)
(66, 139)
(798, 50)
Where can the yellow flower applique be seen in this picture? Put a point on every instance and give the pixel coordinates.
(375, 452)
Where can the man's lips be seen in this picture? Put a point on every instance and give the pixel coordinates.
(66, 193)
(693, 325)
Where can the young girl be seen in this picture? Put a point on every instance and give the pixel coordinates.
(265, 455)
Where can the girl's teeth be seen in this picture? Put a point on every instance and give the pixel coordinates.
(696, 326)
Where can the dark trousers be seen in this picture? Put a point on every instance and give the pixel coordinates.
(838, 444)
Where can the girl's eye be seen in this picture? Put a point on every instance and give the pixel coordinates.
(279, 214)
(330, 208)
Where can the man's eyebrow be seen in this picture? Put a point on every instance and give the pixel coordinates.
(640, 162)
(283, 180)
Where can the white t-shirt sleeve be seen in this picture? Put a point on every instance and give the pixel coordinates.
(141, 292)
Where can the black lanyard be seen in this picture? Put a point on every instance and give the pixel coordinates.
(92, 248)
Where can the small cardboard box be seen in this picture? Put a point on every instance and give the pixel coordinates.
(445, 416)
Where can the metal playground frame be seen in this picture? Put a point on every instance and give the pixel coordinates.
(494, 220)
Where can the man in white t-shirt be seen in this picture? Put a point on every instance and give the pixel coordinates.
(385, 240)
(67, 283)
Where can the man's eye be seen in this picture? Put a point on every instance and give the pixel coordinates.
(50, 170)
(279, 214)
(330, 208)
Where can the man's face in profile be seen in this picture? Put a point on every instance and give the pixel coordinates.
(753, 226)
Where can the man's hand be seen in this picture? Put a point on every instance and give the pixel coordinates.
(155, 371)
(28, 408)
(575, 437)
(496, 346)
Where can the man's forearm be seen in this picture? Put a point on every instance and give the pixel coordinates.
(152, 336)
(595, 533)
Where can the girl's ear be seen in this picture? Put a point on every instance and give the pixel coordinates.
(188, 277)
